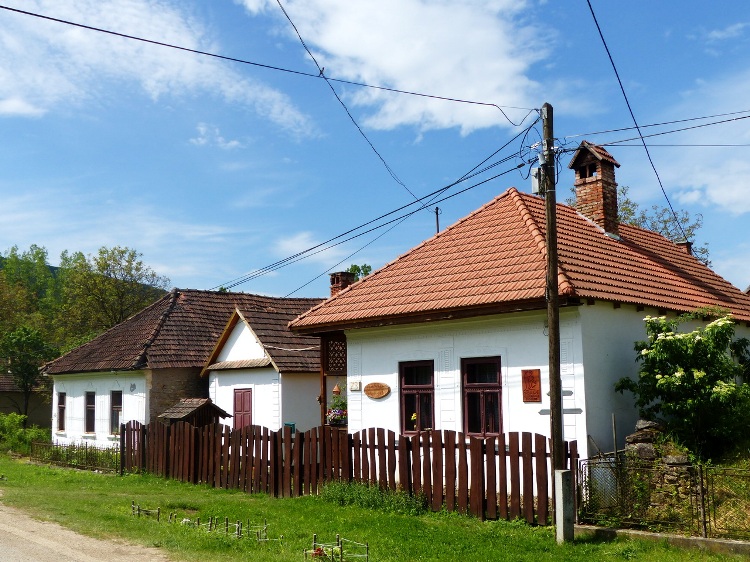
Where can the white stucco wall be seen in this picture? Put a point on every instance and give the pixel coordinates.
(519, 339)
(264, 383)
(134, 399)
(241, 344)
(277, 399)
(299, 404)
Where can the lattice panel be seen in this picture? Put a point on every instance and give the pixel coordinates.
(336, 357)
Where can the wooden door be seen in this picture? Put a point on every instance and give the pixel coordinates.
(243, 407)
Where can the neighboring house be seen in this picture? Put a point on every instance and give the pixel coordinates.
(453, 335)
(141, 367)
(263, 373)
(11, 402)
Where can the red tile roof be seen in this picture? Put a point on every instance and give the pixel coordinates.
(180, 330)
(494, 260)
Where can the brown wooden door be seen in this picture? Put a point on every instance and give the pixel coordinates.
(243, 407)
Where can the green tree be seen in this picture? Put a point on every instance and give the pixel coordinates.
(360, 271)
(659, 219)
(102, 290)
(24, 351)
(689, 381)
(29, 283)
(676, 226)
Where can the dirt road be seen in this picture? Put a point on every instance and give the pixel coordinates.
(24, 539)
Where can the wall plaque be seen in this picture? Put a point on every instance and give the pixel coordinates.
(531, 382)
(377, 390)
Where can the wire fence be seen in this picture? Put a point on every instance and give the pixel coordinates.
(83, 456)
(665, 496)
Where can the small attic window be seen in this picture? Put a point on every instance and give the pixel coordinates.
(588, 170)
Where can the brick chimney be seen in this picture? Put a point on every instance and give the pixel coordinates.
(596, 188)
(340, 281)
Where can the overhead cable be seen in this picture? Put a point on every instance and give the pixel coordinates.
(635, 122)
(272, 67)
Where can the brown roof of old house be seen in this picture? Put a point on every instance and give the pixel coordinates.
(494, 260)
(179, 330)
(188, 406)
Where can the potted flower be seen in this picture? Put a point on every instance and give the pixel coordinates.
(336, 413)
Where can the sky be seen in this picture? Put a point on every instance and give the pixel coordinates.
(219, 169)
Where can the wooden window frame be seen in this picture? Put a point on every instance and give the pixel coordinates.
(421, 391)
(115, 412)
(61, 398)
(89, 418)
(484, 389)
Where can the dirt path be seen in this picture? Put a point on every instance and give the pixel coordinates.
(25, 539)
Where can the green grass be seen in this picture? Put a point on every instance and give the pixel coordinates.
(99, 505)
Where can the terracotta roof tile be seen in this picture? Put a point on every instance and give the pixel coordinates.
(497, 256)
(180, 330)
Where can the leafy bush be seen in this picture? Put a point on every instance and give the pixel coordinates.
(372, 497)
(13, 436)
(689, 382)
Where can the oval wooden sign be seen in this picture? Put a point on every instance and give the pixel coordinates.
(377, 390)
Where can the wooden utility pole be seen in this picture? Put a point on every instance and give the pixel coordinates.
(553, 313)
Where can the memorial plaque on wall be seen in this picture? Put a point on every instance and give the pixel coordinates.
(531, 382)
(377, 390)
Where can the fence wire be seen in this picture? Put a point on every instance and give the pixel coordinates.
(84, 456)
(656, 496)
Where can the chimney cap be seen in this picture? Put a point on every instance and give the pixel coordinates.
(594, 149)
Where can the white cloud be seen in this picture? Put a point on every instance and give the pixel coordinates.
(209, 135)
(730, 32)
(45, 65)
(474, 50)
(302, 241)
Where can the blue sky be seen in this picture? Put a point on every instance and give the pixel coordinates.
(214, 169)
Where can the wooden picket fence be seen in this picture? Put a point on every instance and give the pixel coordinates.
(508, 476)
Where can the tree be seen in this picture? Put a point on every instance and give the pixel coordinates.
(690, 382)
(360, 271)
(662, 220)
(659, 219)
(102, 290)
(24, 351)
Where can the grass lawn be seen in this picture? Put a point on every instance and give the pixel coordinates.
(99, 505)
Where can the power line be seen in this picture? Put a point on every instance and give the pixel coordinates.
(318, 248)
(272, 67)
(471, 173)
(351, 117)
(632, 115)
(658, 124)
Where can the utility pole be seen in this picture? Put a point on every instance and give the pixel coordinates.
(553, 313)
(563, 478)
(437, 220)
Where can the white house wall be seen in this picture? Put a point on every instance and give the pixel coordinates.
(134, 399)
(241, 344)
(299, 404)
(519, 339)
(264, 383)
(608, 339)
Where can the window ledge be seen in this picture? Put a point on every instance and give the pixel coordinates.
(88, 436)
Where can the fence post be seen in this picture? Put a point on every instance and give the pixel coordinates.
(122, 449)
(702, 504)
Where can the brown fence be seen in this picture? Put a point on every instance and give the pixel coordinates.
(507, 476)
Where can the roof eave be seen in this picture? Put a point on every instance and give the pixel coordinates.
(430, 316)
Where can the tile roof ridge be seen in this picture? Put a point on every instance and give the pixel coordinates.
(141, 358)
(565, 287)
(399, 257)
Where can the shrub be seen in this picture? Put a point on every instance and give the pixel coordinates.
(689, 382)
(13, 436)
